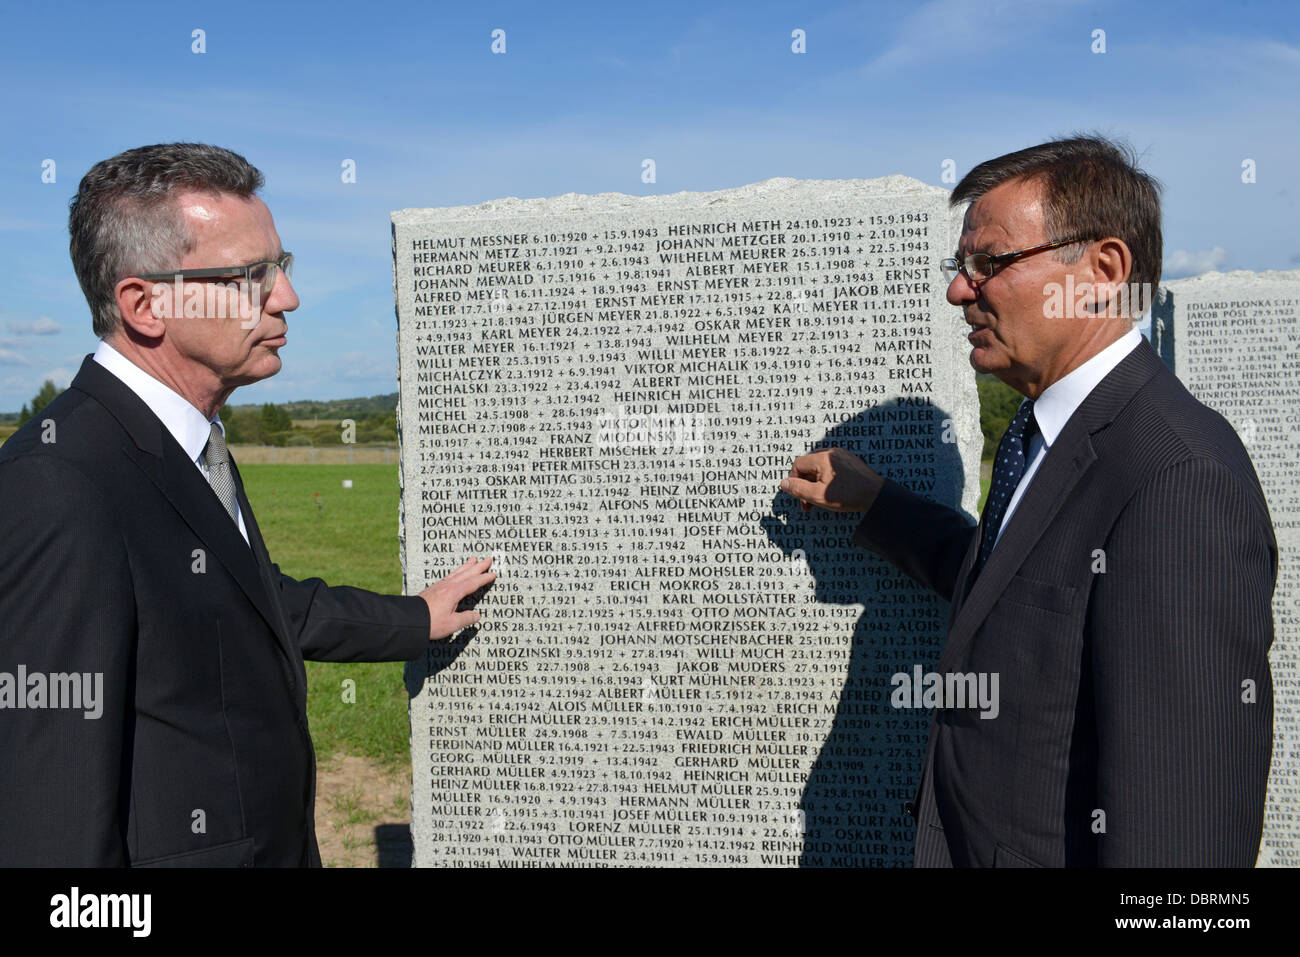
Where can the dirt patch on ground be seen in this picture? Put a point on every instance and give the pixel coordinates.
(363, 813)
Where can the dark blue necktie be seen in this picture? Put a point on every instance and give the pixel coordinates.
(1008, 470)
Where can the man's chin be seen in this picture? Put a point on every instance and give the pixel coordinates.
(267, 367)
(979, 361)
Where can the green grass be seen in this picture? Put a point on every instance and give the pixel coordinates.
(349, 804)
(349, 538)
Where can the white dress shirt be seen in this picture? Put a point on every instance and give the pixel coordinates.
(186, 424)
(1057, 403)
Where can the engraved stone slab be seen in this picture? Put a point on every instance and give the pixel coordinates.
(1236, 346)
(676, 666)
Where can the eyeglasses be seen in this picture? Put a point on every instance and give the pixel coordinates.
(263, 273)
(981, 266)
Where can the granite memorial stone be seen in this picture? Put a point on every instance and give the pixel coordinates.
(1234, 340)
(676, 665)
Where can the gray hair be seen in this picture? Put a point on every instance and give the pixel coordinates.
(123, 221)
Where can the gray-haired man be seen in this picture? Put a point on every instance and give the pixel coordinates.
(129, 552)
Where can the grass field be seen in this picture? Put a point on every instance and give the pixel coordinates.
(315, 528)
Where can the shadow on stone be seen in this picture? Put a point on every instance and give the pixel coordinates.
(393, 845)
(439, 656)
(870, 763)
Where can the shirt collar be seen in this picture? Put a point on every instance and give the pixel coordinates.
(186, 424)
(1059, 400)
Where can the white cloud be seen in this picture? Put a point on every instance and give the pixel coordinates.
(363, 365)
(950, 28)
(61, 377)
(44, 326)
(1180, 262)
(1274, 49)
(9, 357)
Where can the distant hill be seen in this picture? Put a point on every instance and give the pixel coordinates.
(333, 408)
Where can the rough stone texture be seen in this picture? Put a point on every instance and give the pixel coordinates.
(676, 666)
(1236, 346)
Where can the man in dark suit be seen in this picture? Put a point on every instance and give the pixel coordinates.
(130, 558)
(1119, 581)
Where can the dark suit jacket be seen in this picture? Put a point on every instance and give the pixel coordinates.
(117, 557)
(1123, 738)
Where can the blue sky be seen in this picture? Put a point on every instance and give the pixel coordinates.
(412, 92)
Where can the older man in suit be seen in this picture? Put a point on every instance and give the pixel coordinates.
(1120, 578)
(130, 557)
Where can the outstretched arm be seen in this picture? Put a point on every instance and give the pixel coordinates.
(342, 623)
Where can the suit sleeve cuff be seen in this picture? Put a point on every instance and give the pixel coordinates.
(416, 610)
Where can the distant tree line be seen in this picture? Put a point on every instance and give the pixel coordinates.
(49, 392)
(273, 425)
(998, 404)
(270, 423)
(356, 408)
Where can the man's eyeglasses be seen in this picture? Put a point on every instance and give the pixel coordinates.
(981, 266)
(263, 273)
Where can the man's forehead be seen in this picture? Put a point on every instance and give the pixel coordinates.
(1009, 211)
(229, 221)
(209, 205)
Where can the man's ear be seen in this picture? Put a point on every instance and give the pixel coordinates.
(146, 306)
(1112, 262)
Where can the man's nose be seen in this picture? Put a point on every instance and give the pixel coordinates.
(283, 298)
(961, 290)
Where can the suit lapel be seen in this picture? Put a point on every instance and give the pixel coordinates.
(263, 561)
(1065, 463)
(164, 463)
(250, 523)
(183, 484)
